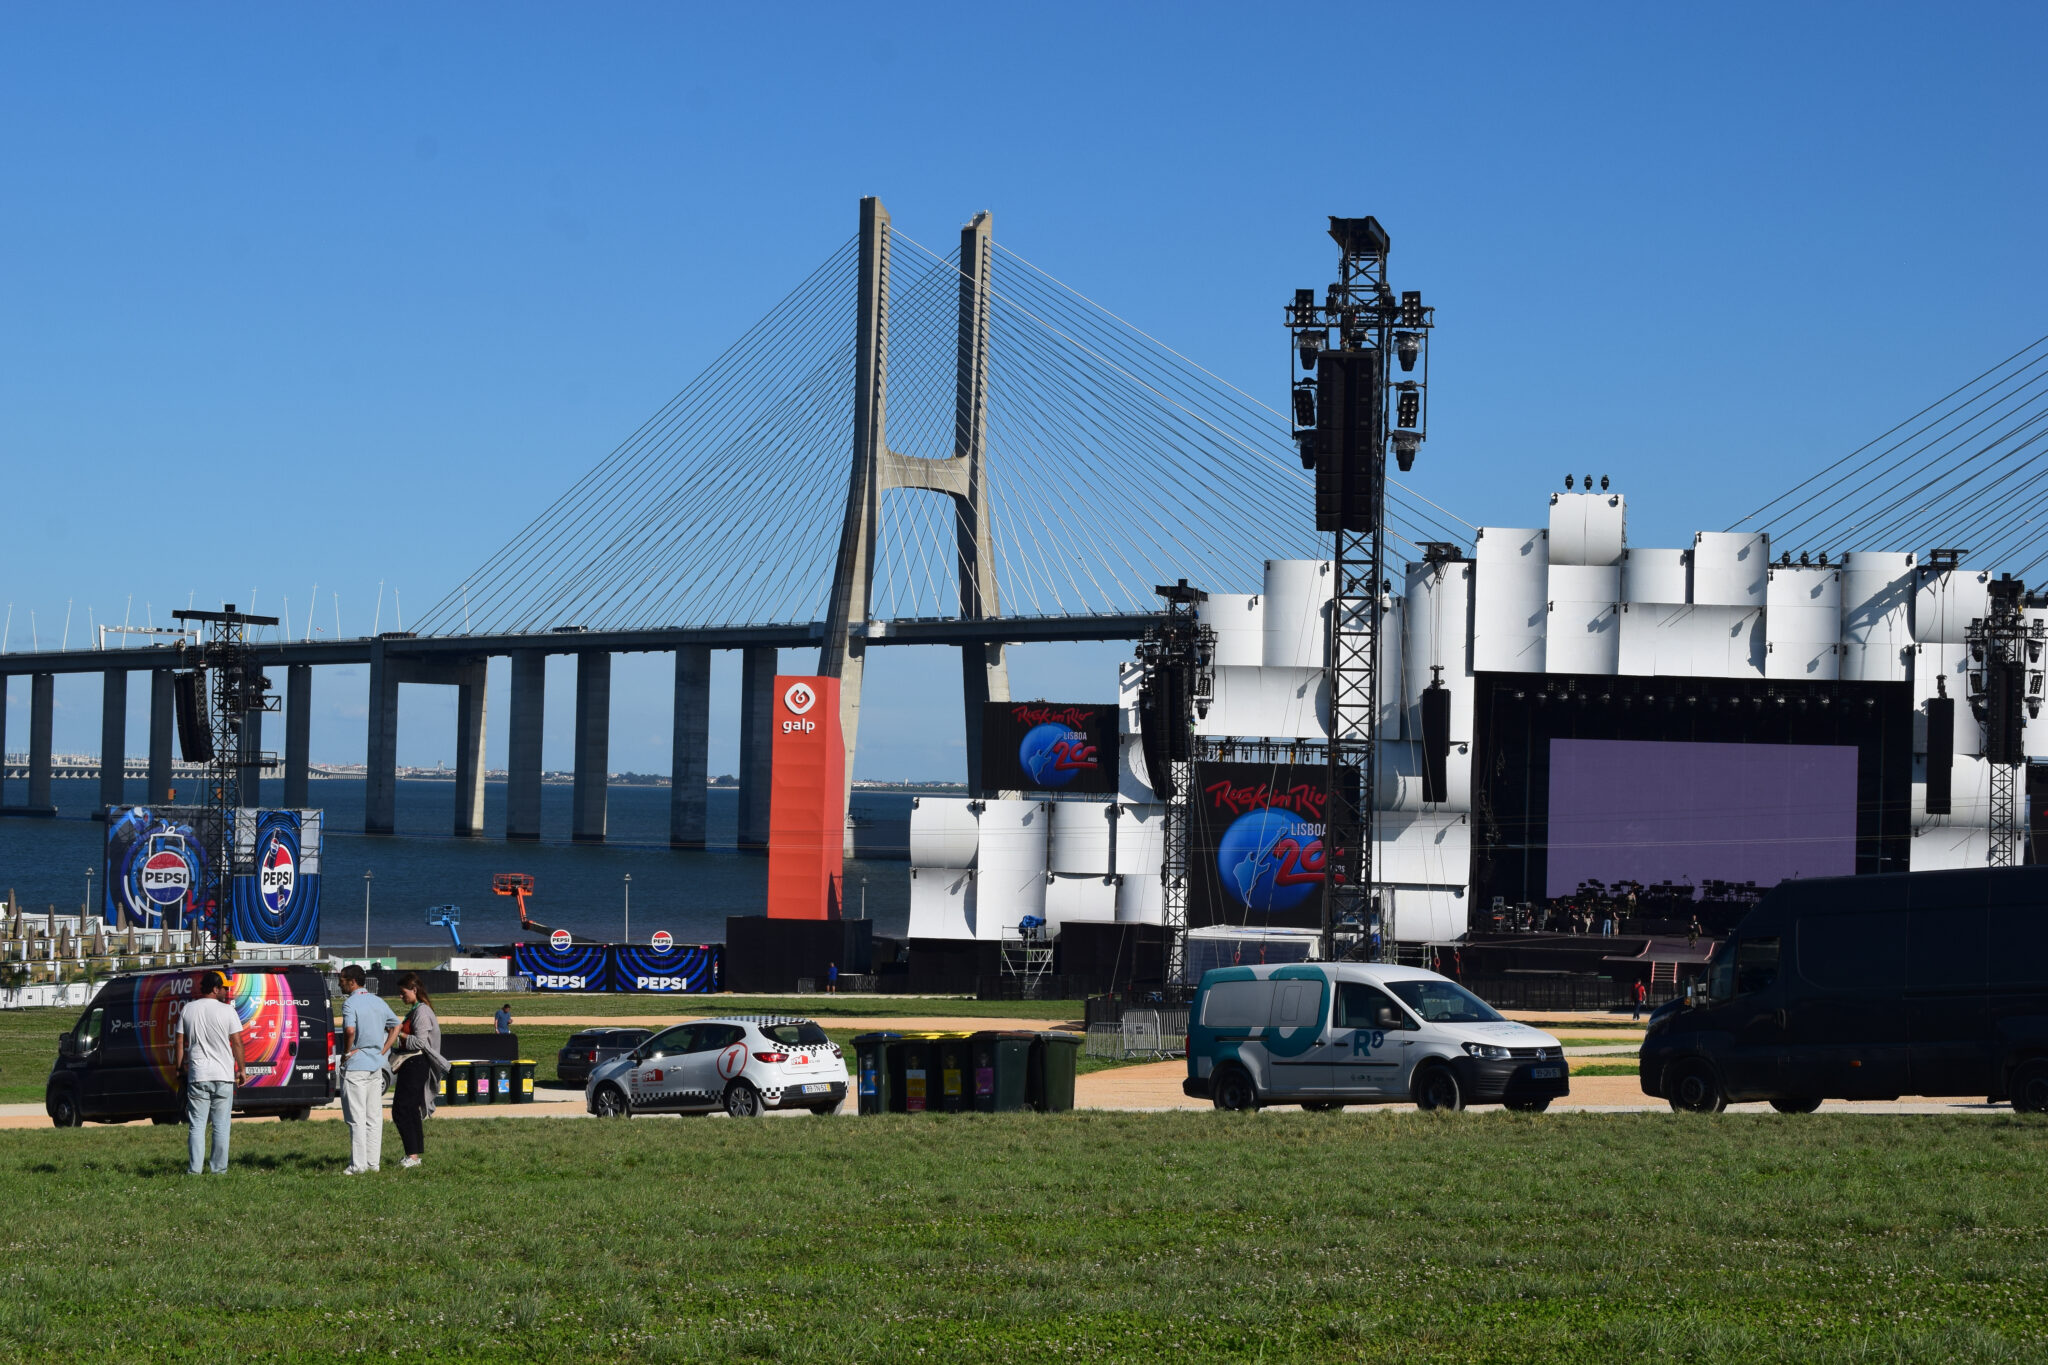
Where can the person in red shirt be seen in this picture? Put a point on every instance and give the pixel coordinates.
(1641, 995)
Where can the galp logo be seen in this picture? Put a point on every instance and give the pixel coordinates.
(799, 699)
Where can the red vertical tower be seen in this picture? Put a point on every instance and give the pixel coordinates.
(806, 810)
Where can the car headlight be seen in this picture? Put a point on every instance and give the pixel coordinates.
(1488, 1051)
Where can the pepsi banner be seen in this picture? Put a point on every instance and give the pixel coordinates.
(1255, 845)
(156, 866)
(1048, 746)
(682, 967)
(276, 896)
(576, 967)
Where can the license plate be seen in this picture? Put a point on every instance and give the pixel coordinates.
(1545, 1073)
(816, 1089)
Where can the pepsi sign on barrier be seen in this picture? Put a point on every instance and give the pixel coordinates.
(1255, 848)
(579, 967)
(1048, 746)
(684, 969)
(278, 899)
(156, 866)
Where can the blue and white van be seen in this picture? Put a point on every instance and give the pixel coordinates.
(1326, 1034)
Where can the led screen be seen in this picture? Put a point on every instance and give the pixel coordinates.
(1644, 811)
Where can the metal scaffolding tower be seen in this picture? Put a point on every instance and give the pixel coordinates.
(238, 691)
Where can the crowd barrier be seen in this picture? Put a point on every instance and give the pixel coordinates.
(685, 968)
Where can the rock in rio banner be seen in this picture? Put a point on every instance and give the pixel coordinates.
(156, 865)
(1048, 746)
(277, 879)
(1255, 854)
(806, 801)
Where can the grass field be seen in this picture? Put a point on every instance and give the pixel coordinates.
(1173, 1237)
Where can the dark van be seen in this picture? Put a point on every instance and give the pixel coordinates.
(1869, 988)
(115, 1064)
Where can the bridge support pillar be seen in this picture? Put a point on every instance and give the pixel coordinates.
(380, 794)
(113, 739)
(757, 743)
(522, 749)
(689, 767)
(42, 708)
(593, 746)
(469, 753)
(298, 736)
(984, 671)
(161, 749)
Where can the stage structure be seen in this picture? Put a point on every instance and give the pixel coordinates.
(226, 735)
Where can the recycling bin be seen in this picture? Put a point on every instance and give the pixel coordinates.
(874, 1081)
(913, 1064)
(1053, 1056)
(1001, 1071)
(456, 1085)
(954, 1088)
(522, 1081)
(502, 1080)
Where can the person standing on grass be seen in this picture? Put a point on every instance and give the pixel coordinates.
(831, 978)
(209, 1056)
(419, 1043)
(368, 1029)
(503, 1016)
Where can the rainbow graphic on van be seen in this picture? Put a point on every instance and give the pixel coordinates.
(270, 1022)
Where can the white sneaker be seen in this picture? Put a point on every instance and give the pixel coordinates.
(351, 1170)
(410, 1162)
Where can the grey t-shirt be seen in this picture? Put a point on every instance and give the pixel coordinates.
(208, 1025)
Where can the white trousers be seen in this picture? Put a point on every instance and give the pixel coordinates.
(362, 1108)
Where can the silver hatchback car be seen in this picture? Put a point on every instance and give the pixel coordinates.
(744, 1066)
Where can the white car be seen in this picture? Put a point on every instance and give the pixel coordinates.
(744, 1066)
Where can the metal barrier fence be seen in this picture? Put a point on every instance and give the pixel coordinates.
(1158, 1034)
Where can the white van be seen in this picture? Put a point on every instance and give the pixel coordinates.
(1327, 1034)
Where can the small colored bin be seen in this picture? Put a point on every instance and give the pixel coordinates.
(456, 1086)
(522, 1081)
(875, 1087)
(955, 1094)
(912, 1063)
(1053, 1058)
(1001, 1071)
(505, 1079)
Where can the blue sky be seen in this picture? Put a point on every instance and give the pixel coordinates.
(391, 278)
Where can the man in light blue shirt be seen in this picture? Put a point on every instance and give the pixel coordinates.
(368, 1028)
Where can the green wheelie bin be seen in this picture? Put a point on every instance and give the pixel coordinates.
(504, 1080)
(522, 1081)
(913, 1064)
(1053, 1056)
(457, 1082)
(955, 1074)
(1001, 1071)
(875, 1082)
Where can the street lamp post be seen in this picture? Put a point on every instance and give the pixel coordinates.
(366, 918)
(629, 907)
(86, 909)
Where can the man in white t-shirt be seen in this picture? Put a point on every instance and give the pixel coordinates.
(209, 1056)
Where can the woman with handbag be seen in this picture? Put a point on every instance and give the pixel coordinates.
(418, 1044)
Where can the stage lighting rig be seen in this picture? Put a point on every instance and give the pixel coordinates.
(2005, 687)
(1178, 683)
(1347, 350)
(239, 690)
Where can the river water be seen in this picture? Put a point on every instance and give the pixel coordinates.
(579, 887)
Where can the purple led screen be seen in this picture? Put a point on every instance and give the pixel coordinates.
(1651, 811)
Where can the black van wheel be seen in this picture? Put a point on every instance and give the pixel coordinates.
(2029, 1088)
(1800, 1106)
(1320, 1106)
(1231, 1089)
(1693, 1089)
(63, 1107)
(1438, 1088)
(298, 1115)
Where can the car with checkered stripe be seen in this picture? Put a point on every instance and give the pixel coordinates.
(742, 1066)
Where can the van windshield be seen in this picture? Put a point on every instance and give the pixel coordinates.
(1444, 1002)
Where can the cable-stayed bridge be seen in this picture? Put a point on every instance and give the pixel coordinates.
(915, 446)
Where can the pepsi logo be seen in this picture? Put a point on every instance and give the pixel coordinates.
(277, 876)
(166, 877)
(662, 941)
(560, 940)
(799, 698)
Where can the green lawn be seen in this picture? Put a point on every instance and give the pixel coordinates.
(28, 1044)
(1380, 1236)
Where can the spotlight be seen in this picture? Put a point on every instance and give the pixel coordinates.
(1304, 305)
(1307, 440)
(2034, 651)
(1411, 308)
(1976, 683)
(1785, 559)
(1823, 559)
(1589, 483)
(1567, 483)
(1977, 654)
(1410, 405)
(1407, 345)
(1304, 402)
(1405, 445)
(1603, 483)
(1803, 560)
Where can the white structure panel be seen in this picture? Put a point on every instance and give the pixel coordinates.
(1946, 847)
(1392, 676)
(1423, 849)
(1272, 702)
(1133, 782)
(1728, 568)
(1951, 663)
(1129, 677)
(1296, 612)
(1010, 882)
(1080, 838)
(943, 832)
(1239, 621)
(1656, 576)
(1587, 528)
(1438, 626)
(1803, 623)
(1140, 899)
(1669, 641)
(1585, 625)
(1141, 840)
(1079, 898)
(1945, 603)
(941, 903)
(1400, 779)
(1877, 616)
(1426, 914)
(1510, 600)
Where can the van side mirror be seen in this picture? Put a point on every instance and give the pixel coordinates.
(1388, 1017)
(67, 1044)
